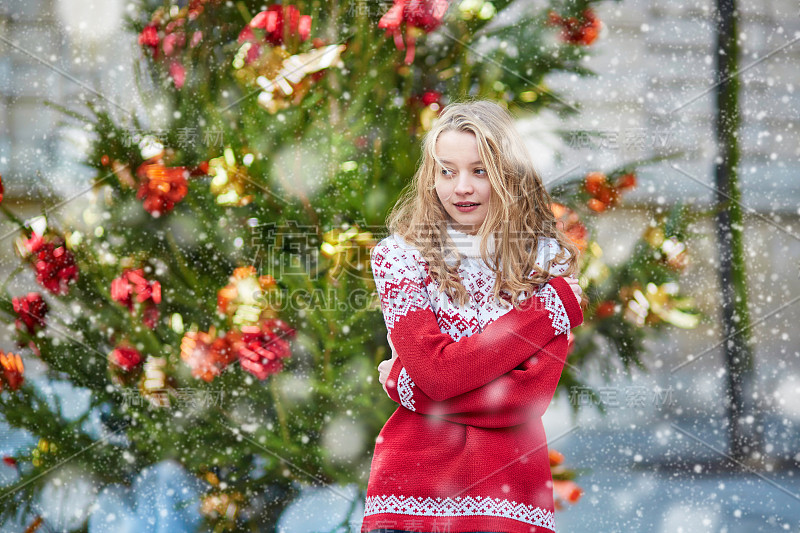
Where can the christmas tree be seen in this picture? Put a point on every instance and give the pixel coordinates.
(215, 298)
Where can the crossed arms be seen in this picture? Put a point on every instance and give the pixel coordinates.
(497, 378)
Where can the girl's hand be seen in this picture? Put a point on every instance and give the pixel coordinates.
(576, 288)
(386, 366)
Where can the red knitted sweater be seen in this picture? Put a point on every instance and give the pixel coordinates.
(466, 450)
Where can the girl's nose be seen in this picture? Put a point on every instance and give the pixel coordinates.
(463, 185)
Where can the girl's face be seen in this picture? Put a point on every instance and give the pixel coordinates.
(462, 181)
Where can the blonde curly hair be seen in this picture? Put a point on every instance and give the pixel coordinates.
(519, 209)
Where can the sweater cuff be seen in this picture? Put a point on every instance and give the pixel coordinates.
(571, 304)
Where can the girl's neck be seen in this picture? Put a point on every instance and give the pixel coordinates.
(469, 245)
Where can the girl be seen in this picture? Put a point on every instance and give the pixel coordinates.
(476, 357)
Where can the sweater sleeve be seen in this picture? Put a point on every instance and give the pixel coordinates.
(523, 393)
(443, 368)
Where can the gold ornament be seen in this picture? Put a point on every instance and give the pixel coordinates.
(244, 297)
(230, 181)
(480, 9)
(156, 385)
(674, 251)
(43, 447)
(654, 236)
(284, 78)
(350, 247)
(656, 303)
(222, 505)
(267, 64)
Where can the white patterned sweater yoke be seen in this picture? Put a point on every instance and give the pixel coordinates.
(472, 383)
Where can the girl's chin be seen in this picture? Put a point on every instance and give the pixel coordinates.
(466, 224)
(472, 217)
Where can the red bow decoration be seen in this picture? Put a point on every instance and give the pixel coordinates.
(424, 14)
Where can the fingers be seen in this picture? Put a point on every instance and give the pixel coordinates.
(385, 366)
(576, 289)
(575, 284)
(383, 371)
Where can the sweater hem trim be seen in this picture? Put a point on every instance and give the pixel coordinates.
(462, 507)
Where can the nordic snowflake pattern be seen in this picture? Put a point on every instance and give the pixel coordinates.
(402, 291)
(460, 506)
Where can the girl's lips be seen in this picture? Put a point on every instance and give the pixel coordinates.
(467, 209)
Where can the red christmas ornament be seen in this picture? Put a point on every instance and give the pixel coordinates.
(31, 310)
(1, 189)
(605, 309)
(247, 35)
(568, 221)
(178, 73)
(556, 457)
(261, 350)
(425, 99)
(161, 187)
(566, 491)
(431, 97)
(604, 194)
(423, 14)
(34, 243)
(54, 264)
(576, 30)
(280, 21)
(196, 7)
(11, 370)
(200, 170)
(132, 283)
(205, 354)
(125, 357)
(149, 37)
(626, 181)
(172, 40)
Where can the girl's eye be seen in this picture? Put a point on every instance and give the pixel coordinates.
(480, 170)
(445, 172)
